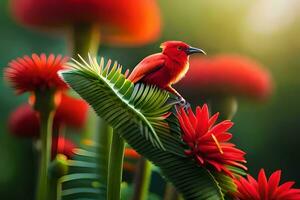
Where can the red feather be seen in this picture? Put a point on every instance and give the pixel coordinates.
(163, 69)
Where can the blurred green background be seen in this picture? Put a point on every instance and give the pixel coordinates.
(265, 30)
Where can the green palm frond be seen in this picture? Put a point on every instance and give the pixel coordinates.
(138, 114)
(83, 180)
(108, 92)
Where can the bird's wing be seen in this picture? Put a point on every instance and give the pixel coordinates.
(146, 66)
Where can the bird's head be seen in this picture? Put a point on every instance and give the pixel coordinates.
(178, 49)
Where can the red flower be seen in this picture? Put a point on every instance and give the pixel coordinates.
(208, 143)
(226, 75)
(36, 73)
(120, 22)
(24, 121)
(62, 145)
(71, 111)
(130, 159)
(263, 189)
(131, 153)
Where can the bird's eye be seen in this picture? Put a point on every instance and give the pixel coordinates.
(179, 48)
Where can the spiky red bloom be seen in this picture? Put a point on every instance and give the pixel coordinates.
(24, 121)
(263, 189)
(121, 21)
(209, 143)
(62, 145)
(226, 75)
(71, 111)
(33, 73)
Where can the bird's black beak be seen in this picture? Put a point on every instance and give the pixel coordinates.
(192, 50)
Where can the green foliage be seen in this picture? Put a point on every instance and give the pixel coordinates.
(138, 114)
(83, 180)
(226, 182)
(109, 92)
(127, 193)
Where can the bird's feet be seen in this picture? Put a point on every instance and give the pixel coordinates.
(183, 103)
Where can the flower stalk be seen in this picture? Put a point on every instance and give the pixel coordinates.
(115, 168)
(45, 105)
(142, 179)
(226, 105)
(105, 138)
(85, 39)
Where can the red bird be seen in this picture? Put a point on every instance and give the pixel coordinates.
(165, 68)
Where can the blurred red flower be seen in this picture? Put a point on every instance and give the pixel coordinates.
(208, 143)
(131, 153)
(24, 121)
(71, 111)
(231, 75)
(63, 146)
(130, 159)
(263, 189)
(121, 22)
(29, 74)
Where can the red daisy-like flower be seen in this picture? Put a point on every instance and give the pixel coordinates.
(263, 189)
(24, 121)
(229, 75)
(209, 143)
(62, 145)
(33, 73)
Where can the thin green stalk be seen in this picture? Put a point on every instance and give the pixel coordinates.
(46, 138)
(142, 180)
(105, 139)
(115, 168)
(225, 105)
(85, 38)
(45, 105)
(58, 166)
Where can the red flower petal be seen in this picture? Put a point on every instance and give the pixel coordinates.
(120, 22)
(24, 122)
(209, 144)
(71, 111)
(62, 145)
(226, 75)
(36, 73)
(264, 189)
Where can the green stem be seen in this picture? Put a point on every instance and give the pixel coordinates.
(46, 138)
(58, 166)
(226, 106)
(45, 106)
(115, 168)
(85, 39)
(142, 180)
(105, 139)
